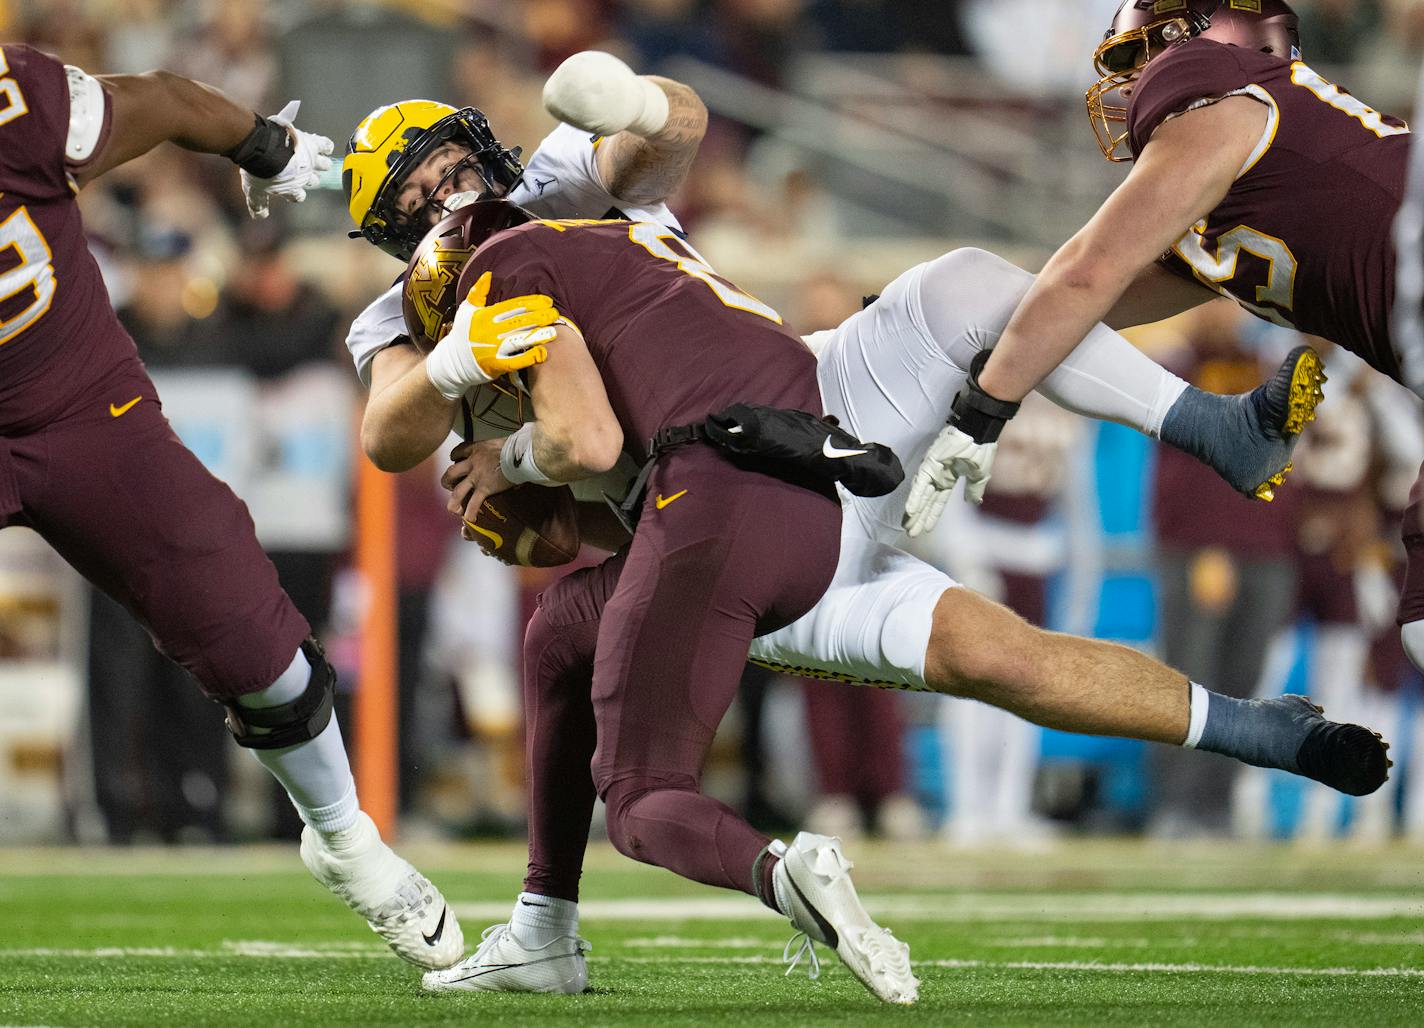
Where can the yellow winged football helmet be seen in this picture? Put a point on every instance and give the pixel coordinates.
(393, 140)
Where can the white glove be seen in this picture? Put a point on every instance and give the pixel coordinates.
(310, 157)
(486, 343)
(952, 456)
(597, 92)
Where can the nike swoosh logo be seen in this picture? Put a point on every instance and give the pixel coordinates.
(835, 453)
(518, 460)
(828, 930)
(434, 937)
(528, 904)
(116, 411)
(661, 502)
(493, 537)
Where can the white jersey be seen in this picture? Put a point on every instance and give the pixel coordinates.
(561, 180)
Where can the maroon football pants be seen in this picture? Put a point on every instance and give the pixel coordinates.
(112, 489)
(630, 666)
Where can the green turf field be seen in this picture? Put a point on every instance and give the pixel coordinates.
(1094, 933)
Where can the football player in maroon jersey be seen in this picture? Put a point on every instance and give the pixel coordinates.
(88, 460)
(1253, 178)
(723, 550)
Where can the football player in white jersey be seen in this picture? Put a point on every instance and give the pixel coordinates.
(888, 373)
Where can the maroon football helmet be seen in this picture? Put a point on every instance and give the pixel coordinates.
(435, 283)
(1144, 29)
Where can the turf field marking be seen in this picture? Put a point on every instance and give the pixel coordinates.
(1092, 966)
(230, 948)
(1026, 908)
(264, 950)
(682, 942)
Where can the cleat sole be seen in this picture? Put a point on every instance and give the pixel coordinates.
(1306, 391)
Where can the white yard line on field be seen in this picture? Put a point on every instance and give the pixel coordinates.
(265, 950)
(1092, 966)
(1027, 907)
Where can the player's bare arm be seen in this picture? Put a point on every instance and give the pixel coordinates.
(1181, 176)
(406, 419)
(161, 107)
(648, 169)
(277, 159)
(652, 126)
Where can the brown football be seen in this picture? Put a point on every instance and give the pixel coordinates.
(532, 525)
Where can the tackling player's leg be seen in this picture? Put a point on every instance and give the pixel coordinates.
(179, 551)
(920, 335)
(1086, 685)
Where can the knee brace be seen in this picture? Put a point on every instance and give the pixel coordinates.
(299, 721)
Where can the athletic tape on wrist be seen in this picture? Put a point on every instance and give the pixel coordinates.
(654, 116)
(267, 149)
(516, 458)
(977, 414)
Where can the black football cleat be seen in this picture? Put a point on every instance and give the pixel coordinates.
(1350, 758)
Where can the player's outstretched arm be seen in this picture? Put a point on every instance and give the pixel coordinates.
(277, 158)
(652, 125)
(1182, 174)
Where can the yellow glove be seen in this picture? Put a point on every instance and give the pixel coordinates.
(486, 343)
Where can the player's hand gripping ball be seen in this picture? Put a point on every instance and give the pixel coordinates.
(529, 525)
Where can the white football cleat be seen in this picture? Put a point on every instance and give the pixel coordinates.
(503, 964)
(812, 883)
(397, 901)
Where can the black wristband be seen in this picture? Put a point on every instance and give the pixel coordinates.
(266, 150)
(976, 413)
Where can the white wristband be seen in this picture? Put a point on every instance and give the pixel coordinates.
(516, 458)
(654, 115)
(449, 365)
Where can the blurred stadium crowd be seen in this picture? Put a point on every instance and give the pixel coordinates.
(1085, 528)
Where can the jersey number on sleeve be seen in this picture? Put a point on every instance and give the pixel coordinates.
(657, 240)
(1217, 270)
(12, 103)
(33, 274)
(1329, 92)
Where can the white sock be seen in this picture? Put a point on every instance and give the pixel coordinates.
(1200, 700)
(968, 296)
(1108, 378)
(539, 920)
(315, 773)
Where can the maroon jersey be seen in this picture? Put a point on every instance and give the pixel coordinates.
(1304, 236)
(58, 331)
(672, 340)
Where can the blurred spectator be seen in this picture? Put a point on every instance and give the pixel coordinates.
(232, 49)
(269, 319)
(857, 737)
(1227, 576)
